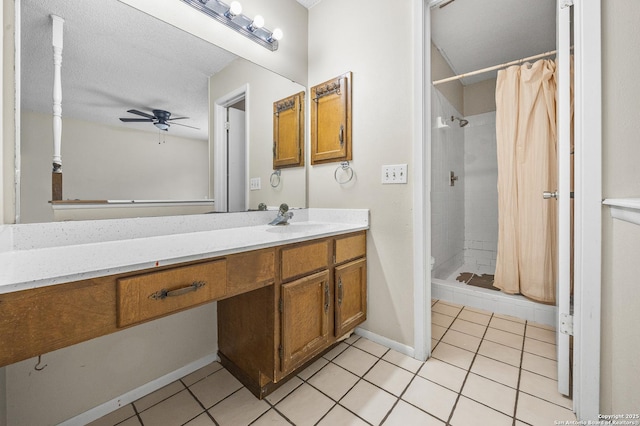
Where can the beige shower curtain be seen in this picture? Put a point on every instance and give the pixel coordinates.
(527, 166)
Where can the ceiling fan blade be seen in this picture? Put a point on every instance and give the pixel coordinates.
(177, 118)
(144, 114)
(184, 125)
(136, 120)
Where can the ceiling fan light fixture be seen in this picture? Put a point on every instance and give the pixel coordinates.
(161, 125)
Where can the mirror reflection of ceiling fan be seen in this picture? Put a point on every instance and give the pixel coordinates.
(160, 118)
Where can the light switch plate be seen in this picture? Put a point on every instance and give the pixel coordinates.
(254, 184)
(396, 173)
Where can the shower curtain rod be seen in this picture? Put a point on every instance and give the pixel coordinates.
(495, 67)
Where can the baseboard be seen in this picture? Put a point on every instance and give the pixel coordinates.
(135, 394)
(396, 346)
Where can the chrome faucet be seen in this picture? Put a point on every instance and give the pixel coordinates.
(283, 215)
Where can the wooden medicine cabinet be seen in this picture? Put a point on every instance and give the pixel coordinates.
(331, 120)
(288, 132)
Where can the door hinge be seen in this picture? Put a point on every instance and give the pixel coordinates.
(281, 306)
(566, 324)
(227, 125)
(280, 352)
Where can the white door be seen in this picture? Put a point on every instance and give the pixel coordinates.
(236, 161)
(563, 285)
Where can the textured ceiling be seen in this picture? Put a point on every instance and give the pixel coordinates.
(308, 3)
(116, 58)
(475, 34)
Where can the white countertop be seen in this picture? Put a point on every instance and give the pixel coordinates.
(82, 257)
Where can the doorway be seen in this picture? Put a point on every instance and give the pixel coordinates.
(587, 226)
(231, 151)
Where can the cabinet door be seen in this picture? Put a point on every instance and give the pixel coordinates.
(305, 305)
(350, 295)
(288, 131)
(331, 120)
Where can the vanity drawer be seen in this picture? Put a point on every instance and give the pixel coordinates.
(250, 271)
(303, 259)
(350, 247)
(146, 296)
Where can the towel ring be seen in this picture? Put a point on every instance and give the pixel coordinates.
(275, 178)
(347, 169)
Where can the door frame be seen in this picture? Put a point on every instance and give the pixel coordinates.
(588, 198)
(218, 169)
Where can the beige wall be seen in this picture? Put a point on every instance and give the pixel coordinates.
(265, 87)
(620, 363)
(480, 97)
(469, 100)
(108, 163)
(452, 90)
(289, 60)
(382, 134)
(83, 376)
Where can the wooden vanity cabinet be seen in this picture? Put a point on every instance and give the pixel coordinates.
(41, 320)
(310, 312)
(350, 282)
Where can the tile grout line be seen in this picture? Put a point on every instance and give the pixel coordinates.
(455, 404)
(515, 404)
(200, 403)
(360, 378)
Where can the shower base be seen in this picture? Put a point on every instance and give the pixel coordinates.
(518, 306)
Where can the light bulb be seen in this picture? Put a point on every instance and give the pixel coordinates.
(234, 9)
(258, 22)
(277, 34)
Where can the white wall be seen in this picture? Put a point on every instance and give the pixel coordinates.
(108, 163)
(620, 364)
(447, 202)
(265, 87)
(382, 66)
(480, 194)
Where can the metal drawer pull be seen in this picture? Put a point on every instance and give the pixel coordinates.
(326, 296)
(340, 291)
(164, 293)
(341, 135)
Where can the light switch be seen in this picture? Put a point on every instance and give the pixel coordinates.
(254, 184)
(394, 173)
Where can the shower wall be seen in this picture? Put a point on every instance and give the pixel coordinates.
(447, 202)
(480, 194)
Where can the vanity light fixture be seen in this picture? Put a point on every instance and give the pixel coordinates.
(258, 22)
(231, 15)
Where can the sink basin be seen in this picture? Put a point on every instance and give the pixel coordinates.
(296, 227)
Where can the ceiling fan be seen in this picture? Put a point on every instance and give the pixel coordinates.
(160, 118)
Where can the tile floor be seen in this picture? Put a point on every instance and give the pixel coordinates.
(486, 369)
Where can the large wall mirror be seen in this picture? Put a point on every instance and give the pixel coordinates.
(117, 59)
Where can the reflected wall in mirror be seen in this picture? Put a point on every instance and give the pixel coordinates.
(115, 59)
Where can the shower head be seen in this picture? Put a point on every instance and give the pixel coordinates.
(461, 121)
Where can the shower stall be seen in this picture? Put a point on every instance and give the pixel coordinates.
(464, 213)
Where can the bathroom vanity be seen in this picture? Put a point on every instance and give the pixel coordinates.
(285, 294)
(318, 296)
